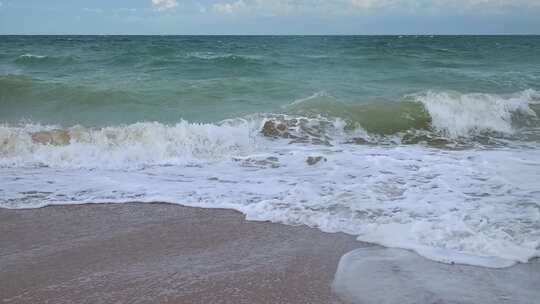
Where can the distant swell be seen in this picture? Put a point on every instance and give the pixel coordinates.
(223, 58)
(31, 59)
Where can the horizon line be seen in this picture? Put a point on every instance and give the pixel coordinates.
(269, 35)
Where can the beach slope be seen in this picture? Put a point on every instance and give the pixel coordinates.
(150, 253)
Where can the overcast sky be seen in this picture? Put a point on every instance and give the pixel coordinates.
(270, 17)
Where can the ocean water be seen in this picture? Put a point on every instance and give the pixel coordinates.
(425, 143)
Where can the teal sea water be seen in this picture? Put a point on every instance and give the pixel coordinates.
(102, 80)
(429, 143)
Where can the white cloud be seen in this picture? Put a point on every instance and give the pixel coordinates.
(162, 5)
(443, 4)
(201, 8)
(281, 7)
(229, 8)
(371, 4)
(93, 10)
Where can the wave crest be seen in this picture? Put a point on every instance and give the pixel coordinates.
(224, 58)
(31, 59)
(124, 146)
(463, 115)
(438, 119)
(450, 115)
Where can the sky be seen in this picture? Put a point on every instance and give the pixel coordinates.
(272, 17)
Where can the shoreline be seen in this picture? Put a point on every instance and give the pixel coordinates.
(148, 253)
(167, 253)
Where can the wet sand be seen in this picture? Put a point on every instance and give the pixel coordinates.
(160, 253)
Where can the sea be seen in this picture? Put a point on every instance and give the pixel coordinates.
(426, 143)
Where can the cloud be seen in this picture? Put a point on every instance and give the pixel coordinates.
(93, 10)
(372, 4)
(272, 7)
(201, 8)
(443, 4)
(326, 7)
(162, 5)
(229, 8)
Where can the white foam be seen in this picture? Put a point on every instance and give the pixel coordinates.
(214, 56)
(461, 115)
(472, 207)
(130, 146)
(314, 96)
(32, 56)
(478, 207)
(366, 275)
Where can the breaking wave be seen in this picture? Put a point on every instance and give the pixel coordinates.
(437, 114)
(464, 114)
(449, 114)
(385, 151)
(358, 169)
(128, 146)
(473, 206)
(442, 120)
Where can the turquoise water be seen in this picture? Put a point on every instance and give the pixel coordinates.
(107, 80)
(429, 143)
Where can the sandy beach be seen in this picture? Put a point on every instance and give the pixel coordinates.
(160, 253)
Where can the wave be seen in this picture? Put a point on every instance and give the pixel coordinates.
(148, 144)
(476, 207)
(440, 114)
(458, 115)
(25, 97)
(130, 146)
(31, 59)
(447, 120)
(450, 175)
(315, 96)
(152, 143)
(30, 56)
(451, 115)
(225, 58)
(470, 206)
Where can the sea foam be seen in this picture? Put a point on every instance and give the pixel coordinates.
(473, 206)
(365, 275)
(123, 146)
(457, 114)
